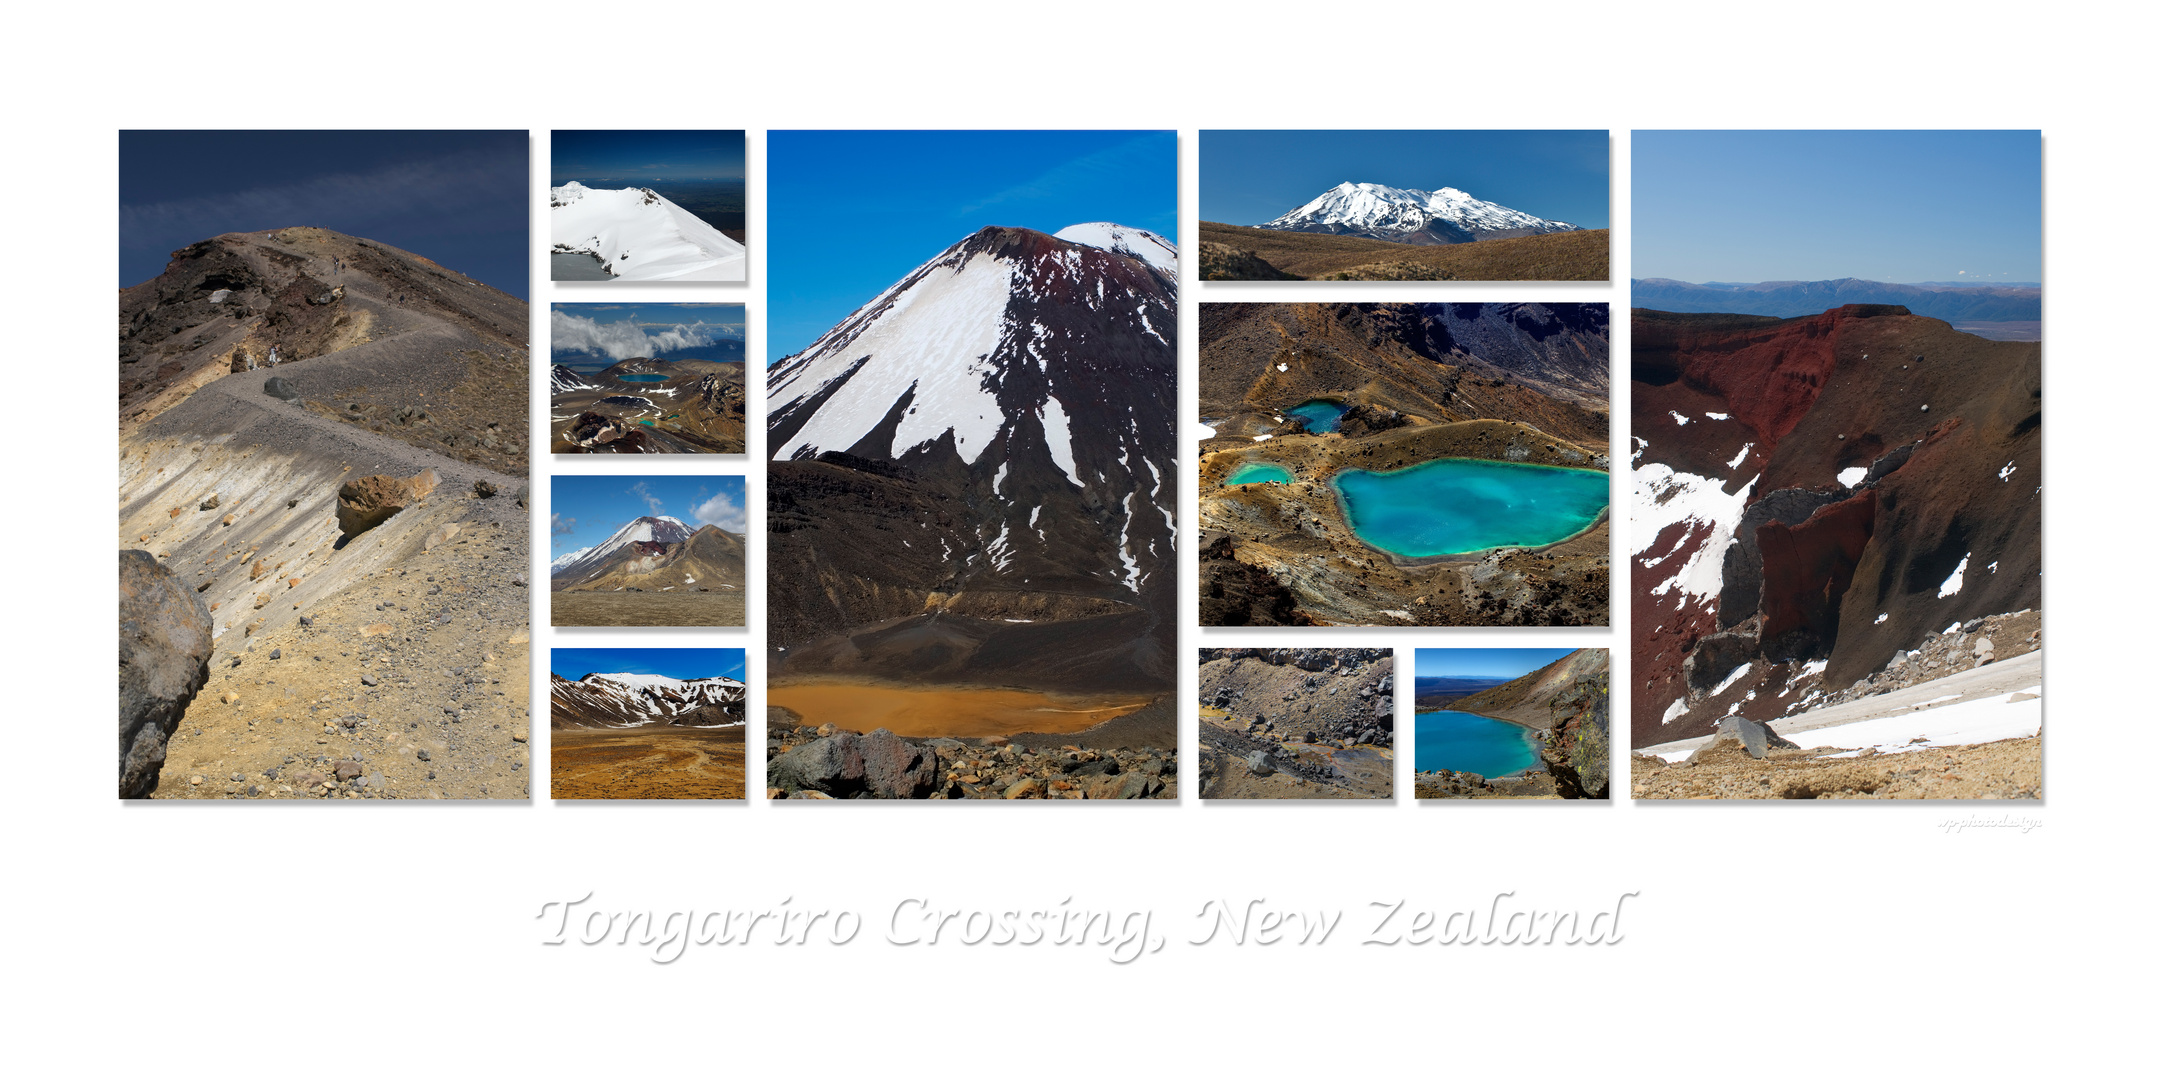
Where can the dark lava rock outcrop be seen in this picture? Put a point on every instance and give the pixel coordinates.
(164, 661)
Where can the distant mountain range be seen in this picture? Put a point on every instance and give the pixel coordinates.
(1457, 684)
(1412, 216)
(621, 700)
(1787, 299)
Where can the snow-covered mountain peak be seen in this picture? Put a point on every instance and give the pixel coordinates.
(653, 528)
(1384, 212)
(1141, 244)
(933, 356)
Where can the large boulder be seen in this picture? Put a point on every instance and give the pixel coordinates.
(368, 501)
(164, 661)
(281, 388)
(844, 765)
(896, 769)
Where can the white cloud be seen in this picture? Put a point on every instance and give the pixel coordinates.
(559, 525)
(625, 339)
(723, 510)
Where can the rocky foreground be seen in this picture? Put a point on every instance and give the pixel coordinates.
(827, 762)
(2008, 769)
(1297, 724)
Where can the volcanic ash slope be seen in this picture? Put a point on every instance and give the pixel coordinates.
(353, 519)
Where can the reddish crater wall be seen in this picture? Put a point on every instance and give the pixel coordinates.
(1807, 568)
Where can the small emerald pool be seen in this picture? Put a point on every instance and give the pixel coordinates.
(1259, 472)
(1457, 505)
(1320, 414)
(643, 378)
(1467, 742)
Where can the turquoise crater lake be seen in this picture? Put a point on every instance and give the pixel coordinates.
(643, 378)
(1259, 472)
(1467, 742)
(1453, 506)
(1320, 414)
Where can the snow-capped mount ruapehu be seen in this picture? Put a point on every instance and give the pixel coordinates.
(619, 700)
(1412, 216)
(974, 473)
(637, 234)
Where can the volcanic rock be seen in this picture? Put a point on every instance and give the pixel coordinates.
(165, 649)
(368, 501)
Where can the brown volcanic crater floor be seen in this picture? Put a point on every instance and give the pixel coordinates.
(722, 608)
(657, 761)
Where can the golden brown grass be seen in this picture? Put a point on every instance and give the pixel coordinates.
(1569, 256)
(653, 762)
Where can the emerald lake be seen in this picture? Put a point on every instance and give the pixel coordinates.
(1457, 505)
(1467, 742)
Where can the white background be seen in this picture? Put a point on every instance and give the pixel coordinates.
(401, 937)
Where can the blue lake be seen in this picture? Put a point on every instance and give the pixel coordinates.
(1259, 472)
(1466, 742)
(1320, 414)
(1457, 505)
(578, 266)
(642, 378)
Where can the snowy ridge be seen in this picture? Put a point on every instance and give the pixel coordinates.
(1382, 209)
(1664, 498)
(562, 379)
(638, 235)
(624, 699)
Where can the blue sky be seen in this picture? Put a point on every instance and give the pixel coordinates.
(1498, 663)
(457, 197)
(585, 510)
(1904, 206)
(613, 332)
(851, 212)
(1247, 177)
(673, 663)
(645, 156)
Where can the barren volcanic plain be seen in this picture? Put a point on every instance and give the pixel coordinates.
(1502, 388)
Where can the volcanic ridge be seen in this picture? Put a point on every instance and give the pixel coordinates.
(321, 444)
(1829, 508)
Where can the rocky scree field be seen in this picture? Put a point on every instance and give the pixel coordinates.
(1297, 724)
